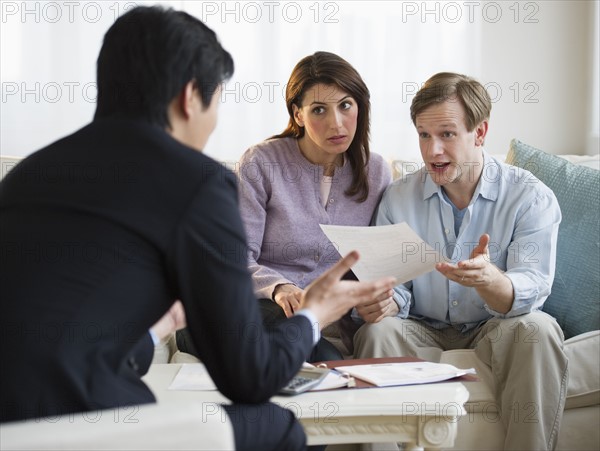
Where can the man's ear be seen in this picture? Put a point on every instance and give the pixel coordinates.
(298, 116)
(480, 133)
(188, 98)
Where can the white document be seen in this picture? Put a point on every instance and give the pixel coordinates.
(389, 250)
(388, 374)
(334, 379)
(192, 376)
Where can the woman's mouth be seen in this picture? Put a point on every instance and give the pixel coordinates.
(338, 139)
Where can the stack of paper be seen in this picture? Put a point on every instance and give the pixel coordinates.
(334, 379)
(193, 376)
(388, 374)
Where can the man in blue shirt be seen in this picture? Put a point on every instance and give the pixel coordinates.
(497, 226)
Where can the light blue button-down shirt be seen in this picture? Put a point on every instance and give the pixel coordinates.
(517, 210)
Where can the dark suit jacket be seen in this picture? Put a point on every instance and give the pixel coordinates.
(100, 232)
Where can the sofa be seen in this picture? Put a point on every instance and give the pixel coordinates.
(165, 426)
(574, 302)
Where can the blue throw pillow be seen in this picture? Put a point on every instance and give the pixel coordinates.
(575, 297)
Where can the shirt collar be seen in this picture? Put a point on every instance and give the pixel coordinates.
(489, 186)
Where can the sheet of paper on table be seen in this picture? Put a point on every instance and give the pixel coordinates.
(389, 250)
(193, 376)
(334, 379)
(408, 373)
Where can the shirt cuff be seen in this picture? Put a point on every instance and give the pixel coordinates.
(313, 322)
(154, 337)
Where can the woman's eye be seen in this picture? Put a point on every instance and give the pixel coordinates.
(318, 110)
(448, 134)
(423, 135)
(346, 105)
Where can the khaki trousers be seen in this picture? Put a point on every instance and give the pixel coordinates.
(525, 354)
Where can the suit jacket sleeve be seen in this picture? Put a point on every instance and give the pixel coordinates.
(140, 357)
(208, 265)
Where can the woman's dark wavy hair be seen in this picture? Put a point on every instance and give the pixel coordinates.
(148, 55)
(330, 69)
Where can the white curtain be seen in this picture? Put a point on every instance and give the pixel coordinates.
(393, 51)
(49, 51)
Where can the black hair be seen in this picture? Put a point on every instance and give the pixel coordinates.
(148, 55)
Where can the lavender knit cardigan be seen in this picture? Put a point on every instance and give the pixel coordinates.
(281, 209)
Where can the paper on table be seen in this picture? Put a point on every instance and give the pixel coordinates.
(388, 374)
(389, 250)
(192, 376)
(334, 379)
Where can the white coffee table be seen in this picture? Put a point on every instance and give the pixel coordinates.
(423, 416)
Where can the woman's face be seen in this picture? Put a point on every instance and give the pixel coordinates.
(329, 117)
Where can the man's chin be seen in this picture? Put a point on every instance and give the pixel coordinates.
(442, 179)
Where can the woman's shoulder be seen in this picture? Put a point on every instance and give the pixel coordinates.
(378, 164)
(376, 159)
(272, 149)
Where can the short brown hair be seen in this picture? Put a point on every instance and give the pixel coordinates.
(447, 85)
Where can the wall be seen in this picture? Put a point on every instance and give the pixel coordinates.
(537, 59)
(544, 69)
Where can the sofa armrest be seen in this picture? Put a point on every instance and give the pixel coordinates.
(166, 426)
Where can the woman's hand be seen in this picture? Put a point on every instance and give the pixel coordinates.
(288, 297)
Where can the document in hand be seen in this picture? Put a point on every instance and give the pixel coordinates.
(389, 250)
(407, 373)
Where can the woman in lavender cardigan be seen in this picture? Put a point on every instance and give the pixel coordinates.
(319, 170)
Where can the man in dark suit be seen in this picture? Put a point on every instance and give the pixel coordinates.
(104, 229)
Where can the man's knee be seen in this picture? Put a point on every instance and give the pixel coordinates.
(382, 330)
(391, 337)
(526, 331)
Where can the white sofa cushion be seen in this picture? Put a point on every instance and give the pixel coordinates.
(168, 426)
(584, 370)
